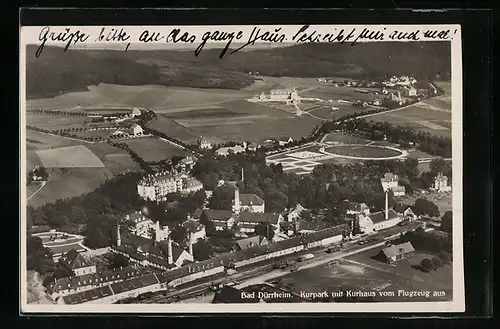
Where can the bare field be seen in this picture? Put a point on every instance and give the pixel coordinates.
(210, 122)
(345, 139)
(173, 129)
(152, 150)
(69, 157)
(326, 92)
(55, 122)
(69, 182)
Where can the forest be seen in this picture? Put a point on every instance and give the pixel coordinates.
(55, 72)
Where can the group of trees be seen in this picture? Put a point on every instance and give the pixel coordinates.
(58, 113)
(424, 207)
(434, 263)
(39, 258)
(38, 171)
(95, 214)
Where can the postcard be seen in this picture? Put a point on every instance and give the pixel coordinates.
(271, 168)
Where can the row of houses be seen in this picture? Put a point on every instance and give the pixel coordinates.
(189, 272)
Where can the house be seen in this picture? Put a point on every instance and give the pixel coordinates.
(257, 240)
(247, 221)
(187, 163)
(76, 264)
(70, 285)
(225, 151)
(412, 92)
(289, 228)
(303, 226)
(140, 224)
(222, 219)
(294, 213)
(135, 113)
(354, 208)
(441, 183)
(406, 212)
(205, 144)
(136, 130)
(378, 221)
(397, 252)
(156, 186)
(191, 185)
(196, 230)
(252, 147)
(285, 142)
(230, 294)
(247, 201)
(399, 190)
(156, 253)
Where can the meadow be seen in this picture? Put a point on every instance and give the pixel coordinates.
(151, 149)
(55, 122)
(173, 129)
(69, 157)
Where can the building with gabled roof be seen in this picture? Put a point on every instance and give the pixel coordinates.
(294, 212)
(196, 230)
(77, 264)
(397, 252)
(257, 240)
(441, 183)
(355, 208)
(247, 221)
(205, 144)
(222, 219)
(247, 201)
(378, 221)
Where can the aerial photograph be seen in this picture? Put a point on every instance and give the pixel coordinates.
(305, 173)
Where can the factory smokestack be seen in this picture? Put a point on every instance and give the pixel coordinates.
(118, 234)
(190, 243)
(242, 174)
(157, 231)
(236, 199)
(387, 204)
(170, 255)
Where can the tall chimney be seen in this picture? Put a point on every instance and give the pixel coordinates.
(190, 243)
(387, 204)
(242, 174)
(157, 231)
(170, 256)
(118, 234)
(236, 199)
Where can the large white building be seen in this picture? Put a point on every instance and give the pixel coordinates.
(225, 151)
(441, 183)
(155, 187)
(141, 225)
(247, 201)
(390, 181)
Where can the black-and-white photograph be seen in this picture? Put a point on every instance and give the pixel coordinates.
(300, 168)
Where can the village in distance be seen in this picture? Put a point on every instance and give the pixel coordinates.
(155, 179)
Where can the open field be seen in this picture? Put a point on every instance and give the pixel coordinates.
(363, 151)
(197, 112)
(151, 149)
(173, 129)
(69, 157)
(69, 182)
(362, 273)
(56, 122)
(327, 92)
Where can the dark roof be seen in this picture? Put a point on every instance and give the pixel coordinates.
(88, 295)
(246, 243)
(218, 215)
(379, 217)
(134, 283)
(266, 217)
(314, 225)
(326, 233)
(356, 206)
(94, 279)
(74, 260)
(232, 295)
(157, 251)
(393, 251)
(250, 200)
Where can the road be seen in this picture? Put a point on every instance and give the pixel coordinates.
(266, 272)
(41, 186)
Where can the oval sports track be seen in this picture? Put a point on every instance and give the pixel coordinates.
(364, 152)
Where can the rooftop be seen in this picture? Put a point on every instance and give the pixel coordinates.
(379, 216)
(250, 199)
(218, 215)
(74, 260)
(251, 217)
(393, 251)
(252, 241)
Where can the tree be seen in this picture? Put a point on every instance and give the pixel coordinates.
(179, 234)
(445, 257)
(306, 215)
(426, 264)
(436, 263)
(423, 206)
(222, 198)
(118, 260)
(447, 222)
(39, 258)
(265, 230)
(202, 250)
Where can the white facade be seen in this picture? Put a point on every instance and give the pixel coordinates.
(441, 183)
(155, 187)
(85, 270)
(136, 130)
